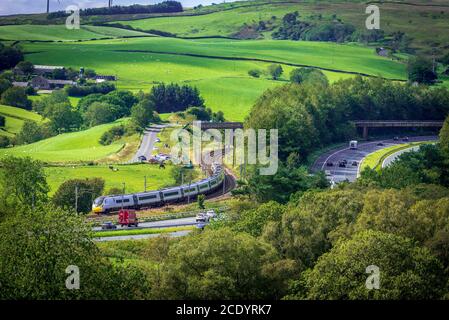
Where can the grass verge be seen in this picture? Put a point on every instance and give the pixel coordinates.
(133, 232)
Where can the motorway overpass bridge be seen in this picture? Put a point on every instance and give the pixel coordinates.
(366, 124)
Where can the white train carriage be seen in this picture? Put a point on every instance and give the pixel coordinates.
(190, 191)
(203, 186)
(149, 199)
(115, 203)
(105, 204)
(171, 194)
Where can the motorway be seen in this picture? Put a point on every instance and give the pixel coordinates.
(350, 172)
(158, 224)
(147, 142)
(144, 236)
(390, 159)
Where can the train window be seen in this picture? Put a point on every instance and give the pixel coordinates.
(171, 194)
(190, 190)
(152, 196)
(120, 200)
(204, 186)
(213, 182)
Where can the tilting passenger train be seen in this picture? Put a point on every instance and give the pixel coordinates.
(106, 204)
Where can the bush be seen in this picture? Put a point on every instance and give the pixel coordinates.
(87, 189)
(4, 141)
(113, 134)
(82, 91)
(16, 97)
(254, 73)
(2, 121)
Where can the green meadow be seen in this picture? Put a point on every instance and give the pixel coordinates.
(15, 117)
(70, 147)
(131, 175)
(61, 33)
(218, 67)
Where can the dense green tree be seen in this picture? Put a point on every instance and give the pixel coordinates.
(98, 113)
(4, 141)
(420, 69)
(237, 267)
(309, 75)
(38, 245)
(26, 67)
(63, 117)
(173, 97)
(2, 121)
(142, 114)
(78, 194)
(183, 175)
(22, 180)
(310, 227)
(112, 134)
(444, 137)
(255, 73)
(275, 71)
(406, 270)
(43, 106)
(4, 85)
(16, 97)
(9, 57)
(30, 132)
(253, 221)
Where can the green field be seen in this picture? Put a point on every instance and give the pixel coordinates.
(131, 175)
(15, 117)
(223, 82)
(424, 24)
(61, 33)
(70, 147)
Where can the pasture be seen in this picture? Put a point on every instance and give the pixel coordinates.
(61, 33)
(218, 67)
(15, 117)
(70, 147)
(131, 175)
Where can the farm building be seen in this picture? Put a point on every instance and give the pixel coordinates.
(44, 70)
(41, 83)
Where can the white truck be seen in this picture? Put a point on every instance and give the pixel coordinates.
(353, 144)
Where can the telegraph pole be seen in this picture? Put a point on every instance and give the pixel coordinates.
(48, 6)
(76, 198)
(123, 193)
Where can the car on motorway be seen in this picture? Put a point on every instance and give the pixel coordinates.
(108, 226)
(202, 217)
(211, 214)
(380, 144)
(396, 138)
(329, 164)
(406, 139)
(328, 173)
(342, 164)
(355, 163)
(142, 158)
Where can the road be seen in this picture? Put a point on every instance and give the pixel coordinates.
(159, 224)
(390, 159)
(147, 142)
(350, 172)
(144, 236)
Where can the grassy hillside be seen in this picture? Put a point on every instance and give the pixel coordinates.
(210, 64)
(426, 22)
(69, 147)
(131, 175)
(15, 117)
(61, 33)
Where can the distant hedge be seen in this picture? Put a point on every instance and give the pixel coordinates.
(163, 7)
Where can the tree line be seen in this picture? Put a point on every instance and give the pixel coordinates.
(162, 7)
